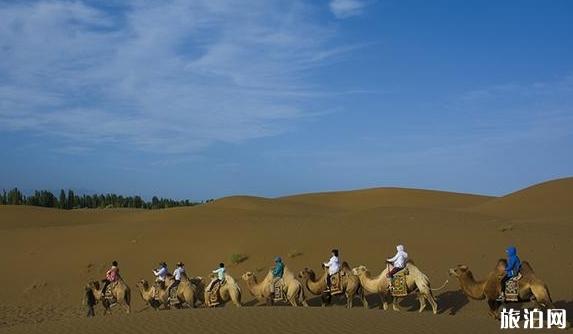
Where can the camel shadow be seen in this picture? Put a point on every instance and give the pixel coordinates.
(451, 302)
(567, 305)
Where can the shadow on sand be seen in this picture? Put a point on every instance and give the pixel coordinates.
(451, 302)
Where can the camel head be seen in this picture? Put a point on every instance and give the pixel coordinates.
(169, 279)
(500, 266)
(305, 273)
(248, 276)
(360, 270)
(143, 284)
(459, 271)
(93, 285)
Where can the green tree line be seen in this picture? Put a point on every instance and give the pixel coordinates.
(70, 200)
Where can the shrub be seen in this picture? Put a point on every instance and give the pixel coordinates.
(237, 258)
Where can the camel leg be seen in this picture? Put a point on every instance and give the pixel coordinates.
(91, 312)
(384, 300)
(292, 301)
(363, 298)
(395, 305)
(432, 301)
(493, 306)
(541, 294)
(236, 298)
(126, 307)
(122, 299)
(301, 298)
(325, 298)
(422, 301)
(349, 299)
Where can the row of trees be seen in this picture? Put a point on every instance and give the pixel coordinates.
(70, 200)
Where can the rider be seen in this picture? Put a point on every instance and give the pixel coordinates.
(511, 269)
(333, 266)
(398, 261)
(220, 276)
(278, 272)
(112, 275)
(178, 272)
(161, 272)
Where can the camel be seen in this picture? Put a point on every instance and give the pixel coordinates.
(530, 287)
(416, 281)
(153, 295)
(262, 291)
(350, 285)
(189, 291)
(229, 290)
(120, 293)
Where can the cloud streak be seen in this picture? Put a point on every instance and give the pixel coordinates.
(347, 8)
(173, 76)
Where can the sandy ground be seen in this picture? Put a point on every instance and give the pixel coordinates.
(48, 255)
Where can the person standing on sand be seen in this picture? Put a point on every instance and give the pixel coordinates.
(333, 266)
(161, 272)
(278, 272)
(220, 276)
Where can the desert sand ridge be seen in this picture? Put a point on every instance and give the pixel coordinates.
(48, 255)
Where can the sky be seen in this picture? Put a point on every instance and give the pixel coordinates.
(201, 99)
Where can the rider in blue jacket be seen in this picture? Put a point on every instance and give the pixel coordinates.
(278, 272)
(511, 268)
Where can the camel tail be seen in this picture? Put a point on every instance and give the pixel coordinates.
(301, 297)
(128, 297)
(441, 287)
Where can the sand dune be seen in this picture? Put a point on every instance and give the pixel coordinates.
(49, 254)
(549, 199)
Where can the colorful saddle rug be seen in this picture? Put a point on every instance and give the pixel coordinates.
(108, 294)
(512, 289)
(213, 295)
(336, 283)
(279, 290)
(398, 285)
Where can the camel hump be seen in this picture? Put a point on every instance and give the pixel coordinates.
(346, 267)
(526, 268)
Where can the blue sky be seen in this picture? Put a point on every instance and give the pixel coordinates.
(200, 99)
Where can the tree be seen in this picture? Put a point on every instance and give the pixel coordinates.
(14, 197)
(63, 201)
(71, 198)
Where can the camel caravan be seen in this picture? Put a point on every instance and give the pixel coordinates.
(511, 281)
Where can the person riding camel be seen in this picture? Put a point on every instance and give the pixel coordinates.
(333, 266)
(278, 272)
(398, 261)
(111, 276)
(177, 274)
(161, 272)
(511, 269)
(219, 278)
(179, 271)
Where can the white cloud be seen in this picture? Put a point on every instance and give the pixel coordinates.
(168, 76)
(346, 8)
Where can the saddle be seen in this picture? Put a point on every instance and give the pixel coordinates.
(512, 289)
(279, 290)
(173, 300)
(398, 286)
(108, 294)
(213, 294)
(336, 283)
